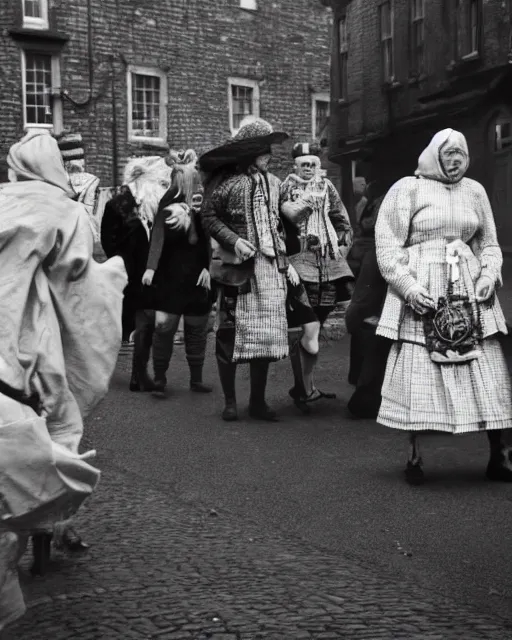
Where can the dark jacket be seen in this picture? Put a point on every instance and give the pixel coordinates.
(123, 234)
(176, 261)
(225, 213)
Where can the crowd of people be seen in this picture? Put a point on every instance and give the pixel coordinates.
(185, 235)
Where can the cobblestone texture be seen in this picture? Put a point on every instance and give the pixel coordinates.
(163, 569)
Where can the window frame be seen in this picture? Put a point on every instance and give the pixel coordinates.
(243, 82)
(323, 96)
(499, 139)
(416, 48)
(387, 78)
(54, 100)
(465, 48)
(343, 51)
(141, 70)
(41, 23)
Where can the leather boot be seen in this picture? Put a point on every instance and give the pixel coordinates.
(258, 407)
(499, 468)
(227, 375)
(140, 379)
(298, 391)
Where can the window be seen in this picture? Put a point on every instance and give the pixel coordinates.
(244, 100)
(252, 5)
(343, 36)
(41, 73)
(386, 41)
(35, 14)
(503, 134)
(320, 114)
(468, 24)
(147, 105)
(417, 36)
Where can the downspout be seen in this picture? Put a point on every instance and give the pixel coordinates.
(90, 63)
(115, 162)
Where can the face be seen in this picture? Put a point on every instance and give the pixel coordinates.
(454, 161)
(262, 162)
(307, 167)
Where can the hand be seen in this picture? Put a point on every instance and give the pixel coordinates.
(293, 276)
(147, 278)
(204, 279)
(420, 300)
(244, 249)
(179, 217)
(484, 288)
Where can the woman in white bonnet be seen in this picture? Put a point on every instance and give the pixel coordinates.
(438, 251)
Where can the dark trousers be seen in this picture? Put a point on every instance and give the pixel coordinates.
(224, 348)
(369, 356)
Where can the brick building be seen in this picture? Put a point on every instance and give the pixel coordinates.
(404, 69)
(135, 76)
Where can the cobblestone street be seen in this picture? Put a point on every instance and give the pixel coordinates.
(170, 564)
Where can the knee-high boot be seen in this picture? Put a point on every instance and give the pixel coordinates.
(500, 460)
(143, 339)
(258, 407)
(224, 341)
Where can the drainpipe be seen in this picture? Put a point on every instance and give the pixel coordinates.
(115, 163)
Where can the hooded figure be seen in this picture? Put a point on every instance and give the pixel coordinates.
(438, 251)
(60, 320)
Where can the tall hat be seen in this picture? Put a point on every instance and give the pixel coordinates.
(71, 146)
(306, 149)
(254, 137)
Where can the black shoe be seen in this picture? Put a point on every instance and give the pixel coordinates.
(414, 474)
(263, 412)
(299, 401)
(160, 389)
(145, 385)
(200, 387)
(498, 473)
(230, 413)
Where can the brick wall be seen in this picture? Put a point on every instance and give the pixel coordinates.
(284, 45)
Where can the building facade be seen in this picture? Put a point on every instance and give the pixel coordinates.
(137, 77)
(404, 69)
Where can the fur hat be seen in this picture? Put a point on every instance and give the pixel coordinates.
(254, 138)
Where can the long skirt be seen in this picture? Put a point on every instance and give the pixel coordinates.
(419, 395)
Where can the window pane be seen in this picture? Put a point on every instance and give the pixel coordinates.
(385, 20)
(321, 116)
(242, 101)
(32, 9)
(145, 106)
(473, 26)
(343, 33)
(38, 82)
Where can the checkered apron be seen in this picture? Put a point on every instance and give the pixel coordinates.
(261, 329)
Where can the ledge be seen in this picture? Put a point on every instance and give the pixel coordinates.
(392, 86)
(24, 35)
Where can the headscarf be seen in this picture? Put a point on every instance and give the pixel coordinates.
(37, 157)
(429, 163)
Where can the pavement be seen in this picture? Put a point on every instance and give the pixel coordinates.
(298, 530)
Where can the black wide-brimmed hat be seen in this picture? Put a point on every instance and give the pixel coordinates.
(252, 139)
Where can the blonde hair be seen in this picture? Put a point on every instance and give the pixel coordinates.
(149, 178)
(185, 173)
